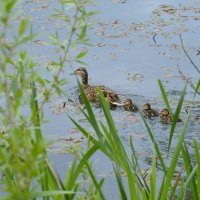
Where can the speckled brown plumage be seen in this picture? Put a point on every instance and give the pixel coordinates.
(129, 106)
(166, 117)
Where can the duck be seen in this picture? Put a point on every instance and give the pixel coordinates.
(92, 91)
(128, 105)
(149, 112)
(166, 117)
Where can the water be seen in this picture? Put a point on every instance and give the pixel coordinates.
(135, 44)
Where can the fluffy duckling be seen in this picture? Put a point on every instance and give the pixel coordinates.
(129, 106)
(149, 112)
(166, 117)
(110, 101)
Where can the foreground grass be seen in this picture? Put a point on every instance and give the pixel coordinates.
(173, 185)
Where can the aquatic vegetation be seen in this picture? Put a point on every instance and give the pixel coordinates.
(113, 148)
(26, 172)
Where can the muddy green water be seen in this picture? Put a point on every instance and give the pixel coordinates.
(135, 44)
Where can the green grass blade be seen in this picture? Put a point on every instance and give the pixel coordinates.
(181, 195)
(176, 116)
(174, 161)
(91, 115)
(35, 117)
(197, 88)
(190, 178)
(155, 144)
(70, 172)
(120, 183)
(153, 180)
(144, 197)
(164, 95)
(82, 162)
(108, 116)
(188, 169)
(197, 154)
(161, 187)
(175, 184)
(120, 151)
(135, 159)
(98, 186)
(92, 139)
(54, 176)
(110, 144)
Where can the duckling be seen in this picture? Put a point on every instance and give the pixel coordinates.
(129, 106)
(92, 91)
(166, 117)
(110, 101)
(149, 112)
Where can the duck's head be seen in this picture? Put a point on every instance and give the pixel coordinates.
(128, 103)
(147, 106)
(82, 72)
(164, 112)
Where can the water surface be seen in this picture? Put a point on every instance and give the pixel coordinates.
(135, 44)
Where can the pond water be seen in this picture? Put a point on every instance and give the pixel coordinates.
(135, 44)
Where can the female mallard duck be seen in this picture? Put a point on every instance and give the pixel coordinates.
(149, 112)
(92, 91)
(129, 106)
(166, 117)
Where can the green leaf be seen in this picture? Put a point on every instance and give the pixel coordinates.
(98, 186)
(181, 196)
(174, 161)
(189, 169)
(176, 116)
(197, 154)
(83, 33)
(164, 95)
(155, 144)
(10, 5)
(23, 26)
(81, 55)
(190, 178)
(153, 180)
(120, 183)
(82, 162)
(91, 116)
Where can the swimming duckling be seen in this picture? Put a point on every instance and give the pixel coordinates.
(166, 117)
(112, 104)
(92, 91)
(149, 112)
(129, 106)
